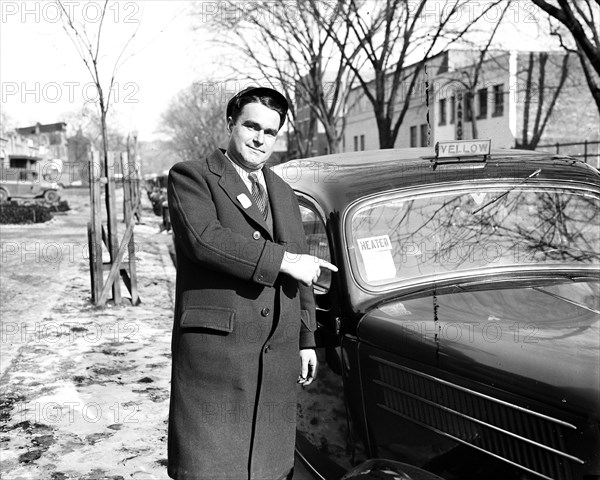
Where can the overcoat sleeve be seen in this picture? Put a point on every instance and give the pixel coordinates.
(206, 241)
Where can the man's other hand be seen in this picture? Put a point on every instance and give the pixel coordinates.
(308, 369)
(304, 268)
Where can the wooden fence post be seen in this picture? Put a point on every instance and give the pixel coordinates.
(111, 213)
(95, 246)
(97, 235)
(130, 276)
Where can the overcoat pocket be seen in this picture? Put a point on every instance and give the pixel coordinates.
(308, 321)
(212, 318)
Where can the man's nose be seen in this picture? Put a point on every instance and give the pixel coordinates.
(259, 137)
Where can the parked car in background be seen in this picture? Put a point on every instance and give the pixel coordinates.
(156, 188)
(24, 183)
(461, 335)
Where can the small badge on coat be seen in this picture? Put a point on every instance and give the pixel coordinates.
(244, 200)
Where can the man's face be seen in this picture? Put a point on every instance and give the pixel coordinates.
(253, 135)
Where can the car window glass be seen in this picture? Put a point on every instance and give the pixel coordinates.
(400, 238)
(318, 244)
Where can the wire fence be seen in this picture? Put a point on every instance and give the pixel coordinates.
(588, 151)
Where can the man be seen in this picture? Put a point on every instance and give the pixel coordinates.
(244, 308)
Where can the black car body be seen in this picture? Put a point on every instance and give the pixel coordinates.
(461, 334)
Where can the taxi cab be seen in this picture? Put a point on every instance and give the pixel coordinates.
(460, 338)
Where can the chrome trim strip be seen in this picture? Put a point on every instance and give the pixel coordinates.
(472, 392)
(307, 464)
(481, 422)
(467, 443)
(568, 300)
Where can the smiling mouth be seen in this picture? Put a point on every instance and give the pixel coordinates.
(256, 150)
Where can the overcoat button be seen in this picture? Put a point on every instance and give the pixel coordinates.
(267, 348)
(256, 235)
(260, 278)
(265, 312)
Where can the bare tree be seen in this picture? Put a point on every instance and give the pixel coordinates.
(535, 92)
(87, 119)
(582, 19)
(388, 34)
(88, 48)
(297, 55)
(474, 76)
(195, 121)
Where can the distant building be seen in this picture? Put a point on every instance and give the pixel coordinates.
(50, 138)
(18, 151)
(39, 147)
(502, 105)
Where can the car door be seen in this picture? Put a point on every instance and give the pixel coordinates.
(322, 421)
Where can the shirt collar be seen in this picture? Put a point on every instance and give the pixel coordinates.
(244, 174)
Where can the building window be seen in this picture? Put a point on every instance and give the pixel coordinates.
(498, 101)
(362, 142)
(442, 112)
(452, 109)
(482, 101)
(468, 106)
(356, 143)
(424, 131)
(413, 136)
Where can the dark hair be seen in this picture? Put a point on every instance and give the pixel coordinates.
(266, 96)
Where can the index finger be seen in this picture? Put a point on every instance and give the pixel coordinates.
(327, 265)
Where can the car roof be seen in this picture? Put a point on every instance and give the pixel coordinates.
(337, 180)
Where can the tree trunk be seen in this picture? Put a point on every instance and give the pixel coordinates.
(384, 127)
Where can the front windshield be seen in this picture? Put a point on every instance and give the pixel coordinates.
(396, 237)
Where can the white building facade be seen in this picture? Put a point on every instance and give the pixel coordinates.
(449, 103)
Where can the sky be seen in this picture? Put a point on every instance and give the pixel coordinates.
(43, 79)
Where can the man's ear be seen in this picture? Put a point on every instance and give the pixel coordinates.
(229, 125)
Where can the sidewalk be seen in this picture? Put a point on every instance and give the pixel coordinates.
(85, 391)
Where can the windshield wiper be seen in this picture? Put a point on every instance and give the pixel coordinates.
(534, 174)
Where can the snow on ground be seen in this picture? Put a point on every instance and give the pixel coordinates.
(84, 390)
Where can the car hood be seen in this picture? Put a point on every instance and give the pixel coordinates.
(540, 342)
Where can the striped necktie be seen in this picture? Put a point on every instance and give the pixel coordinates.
(259, 195)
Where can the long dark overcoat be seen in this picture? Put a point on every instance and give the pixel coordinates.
(238, 326)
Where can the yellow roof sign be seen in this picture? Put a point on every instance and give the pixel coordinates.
(462, 148)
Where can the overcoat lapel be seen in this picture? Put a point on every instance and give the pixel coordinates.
(234, 186)
(280, 205)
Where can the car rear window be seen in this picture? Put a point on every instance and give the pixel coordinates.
(400, 237)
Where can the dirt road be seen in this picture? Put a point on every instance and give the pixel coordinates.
(84, 390)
